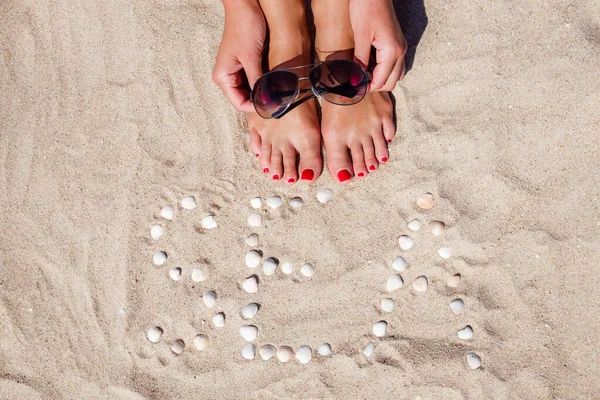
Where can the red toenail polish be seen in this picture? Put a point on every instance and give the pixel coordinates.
(361, 174)
(383, 159)
(265, 170)
(389, 140)
(344, 175)
(257, 155)
(307, 175)
(291, 180)
(275, 177)
(371, 168)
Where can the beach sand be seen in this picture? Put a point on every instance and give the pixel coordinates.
(108, 113)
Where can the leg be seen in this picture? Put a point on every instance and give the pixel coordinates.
(356, 136)
(278, 143)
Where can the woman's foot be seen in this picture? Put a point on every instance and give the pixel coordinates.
(289, 148)
(356, 136)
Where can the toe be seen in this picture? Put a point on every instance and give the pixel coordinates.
(290, 172)
(276, 171)
(381, 150)
(358, 161)
(310, 166)
(265, 157)
(389, 130)
(338, 161)
(255, 142)
(370, 158)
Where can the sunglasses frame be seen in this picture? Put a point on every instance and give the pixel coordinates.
(295, 103)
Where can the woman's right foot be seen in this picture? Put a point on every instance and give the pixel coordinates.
(289, 148)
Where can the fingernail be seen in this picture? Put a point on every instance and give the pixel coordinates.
(344, 175)
(291, 180)
(307, 175)
(371, 168)
(361, 174)
(265, 170)
(383, 159)
(275, 177)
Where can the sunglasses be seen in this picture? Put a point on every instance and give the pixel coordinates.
(340, 82)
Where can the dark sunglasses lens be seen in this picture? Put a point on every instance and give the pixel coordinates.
(274, 92)
(339, 81)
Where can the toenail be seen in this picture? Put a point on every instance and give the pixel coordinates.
(291, 180)
(257, 155)
(344, 175)
(265, 170)
(307, 175)
(275, 177)
(389, 140)
(361, 174)
(383, 159)
(371, 168)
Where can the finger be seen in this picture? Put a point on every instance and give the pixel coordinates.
(385, 64)
(402, 69)
(239, 97)
(252, 68)
(362, 49)
(394, 77)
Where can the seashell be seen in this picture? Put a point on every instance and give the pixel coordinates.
(178, 347)
(324, 195)
(425, 201)
(175, 273)
(249, 332)
(445, 252)
(249, 351)
(414, 225)
(254, 220)
(200, 342)
(167, 212)
(253, 258)
(296, 202)
(457, 306)
(209, 222)
(394, 282)
(219, 320)
(159, 258)
(154, 334)
(249, 311)
(189, 203)
(284, 354)
(198, 275)
(210, 299)
(368, 351)
(274, 202)
(267, 352)
(287, 268)
(399, 264)
(252, 240)
(473, 361)
(465, 333)
(269, 266)
(454, 280)
(388, 305)
(304, 354)
(437, 228)
(256, 202)
(250, 284)
(307, 270)
(156, 231)
(420, 284)
(379, 328)
(406, 242)
(324, 349)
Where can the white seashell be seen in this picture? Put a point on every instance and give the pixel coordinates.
(284, 354)
(250, 285)
(219, 320)
(178, 347)
(154, 334)
(256, 202)
(209, 222)
(254, 220)
(175, 273)
(189, 203)
(267, 352)
(249, 311)
(210, 299)
(167, 212)
(420, 284)
(324, 349)
(198, 275)
(296, 202)
(388, 305)
(249, 333)
(436, 228)
(399, 264)
(252, 240)
(406, 242)
(445, 252)
(269, 266)
(368, 351)
(454, 280)
(156, 231)
(287, 268)
(457, 306)
(465, 333)
(274, 201)
(473, 361)
(304, 354)
(379, 328)
(425, 201)
(414, 225)
(307, 270)
(249, 351)
(324, 195)
(253, 258)
(200, 342)
(394, 282)
(160, 257)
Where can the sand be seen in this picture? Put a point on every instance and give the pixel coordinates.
(108, 113)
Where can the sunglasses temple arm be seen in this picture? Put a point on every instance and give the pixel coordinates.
(296, 104)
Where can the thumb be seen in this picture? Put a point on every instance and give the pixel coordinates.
(252, 68)
(362, 49)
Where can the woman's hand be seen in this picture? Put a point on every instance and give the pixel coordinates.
(240, 50)
(374, 24)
